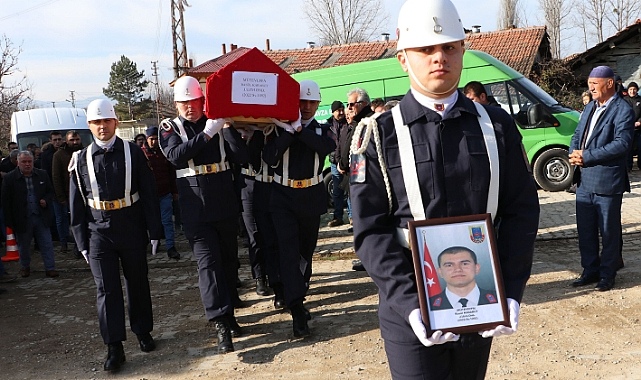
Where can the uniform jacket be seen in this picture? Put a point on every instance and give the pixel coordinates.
(14, 198)
(605, 155)
(453, 173)
(302, 147)
(441, 302)
(210, 197)
(134, 225)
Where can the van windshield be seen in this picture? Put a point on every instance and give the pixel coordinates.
(42, 137)
(541, 96)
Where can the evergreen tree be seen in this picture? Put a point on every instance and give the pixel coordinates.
(127, 86)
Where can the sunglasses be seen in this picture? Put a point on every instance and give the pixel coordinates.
(350, 105)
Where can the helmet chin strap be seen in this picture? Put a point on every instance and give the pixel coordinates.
(418, 82)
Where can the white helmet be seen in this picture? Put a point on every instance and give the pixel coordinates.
(100, 109)
(187, 88)
(427, 23)
(309, 90)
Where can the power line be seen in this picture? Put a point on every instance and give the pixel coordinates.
(28, 10)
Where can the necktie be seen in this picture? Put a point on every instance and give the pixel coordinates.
(463, 301)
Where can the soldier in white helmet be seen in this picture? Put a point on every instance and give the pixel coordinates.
(114, 215)
(298, 198)
(202, 150)
(437, 154)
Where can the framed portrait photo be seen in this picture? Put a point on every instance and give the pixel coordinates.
(458, 274)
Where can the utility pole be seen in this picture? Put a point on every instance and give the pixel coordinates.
(53, 104)
(73, 99)
(155, 82)
(178, 36)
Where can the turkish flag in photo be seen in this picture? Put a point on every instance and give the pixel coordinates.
(429, 273)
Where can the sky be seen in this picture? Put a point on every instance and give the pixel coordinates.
(69, 45)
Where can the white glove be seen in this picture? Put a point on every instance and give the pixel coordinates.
(85, 255)
(514, 308)
(154, 247)
(419, 330)
(213, 126)
(292, 127)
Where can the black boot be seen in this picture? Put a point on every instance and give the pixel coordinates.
(115, 357)
(234, 327)
(223, 333)
(279, 296)
(299, 320)
(261, 286)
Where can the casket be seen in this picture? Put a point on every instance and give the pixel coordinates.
(252, 89)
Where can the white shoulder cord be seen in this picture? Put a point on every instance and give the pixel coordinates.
(370, 126)
(92, 175)
(73, 165)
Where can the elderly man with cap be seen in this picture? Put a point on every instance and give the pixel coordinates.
(634, 100)
(165, 177)
(202, 150)
(298, 197)
(114, 214)
(336, 123)
(437, 154)
(599, 150)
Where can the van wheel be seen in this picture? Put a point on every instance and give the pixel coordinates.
(329, 187)
(552, 170)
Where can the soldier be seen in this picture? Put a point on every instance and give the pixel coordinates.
(298, 197)
(437, 154)
(114, 206)
(201, 150)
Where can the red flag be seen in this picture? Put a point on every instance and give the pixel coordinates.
(429, 272)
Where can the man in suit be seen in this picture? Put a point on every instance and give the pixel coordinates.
(27, 195)
(599, 149)
(459, 266)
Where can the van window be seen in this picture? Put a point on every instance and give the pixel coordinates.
(42, 137)
(512, 100)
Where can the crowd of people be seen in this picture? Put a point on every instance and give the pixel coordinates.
(438, 152)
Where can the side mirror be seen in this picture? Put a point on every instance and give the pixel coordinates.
(538, 116)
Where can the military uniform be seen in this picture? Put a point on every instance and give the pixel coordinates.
(298, 198)
(451, 161)
(115, 227)
(209, 205)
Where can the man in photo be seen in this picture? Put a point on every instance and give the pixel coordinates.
(458, 266)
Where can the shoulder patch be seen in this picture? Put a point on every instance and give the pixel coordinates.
(490, 298)
(437, 302)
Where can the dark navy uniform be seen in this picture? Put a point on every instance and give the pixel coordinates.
(454, 175)
(441, 302)
(115, 235)
(298, 201)
(209, 206)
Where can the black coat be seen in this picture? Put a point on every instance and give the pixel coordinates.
(14, 198)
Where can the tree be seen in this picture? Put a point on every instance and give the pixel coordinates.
(337, 22)
(508, 14)
(557, 79)
(127, 87)
(555, 13)
(624, 13)
(592, 13)
(15, 90)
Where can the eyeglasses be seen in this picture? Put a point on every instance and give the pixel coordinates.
(350, 105)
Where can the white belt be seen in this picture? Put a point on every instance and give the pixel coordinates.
(299, 183)
(248, 172)
(113, 205)
(202, 169)
(264, 178)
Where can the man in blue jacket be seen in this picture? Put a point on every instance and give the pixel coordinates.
(599, 149)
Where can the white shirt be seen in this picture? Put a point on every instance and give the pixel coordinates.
(598, 111)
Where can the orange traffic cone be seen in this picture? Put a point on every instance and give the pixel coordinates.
(13, 254)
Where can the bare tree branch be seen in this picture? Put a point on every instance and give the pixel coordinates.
(509, 14)
(336, 22)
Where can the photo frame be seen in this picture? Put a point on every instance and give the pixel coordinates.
(463, 292)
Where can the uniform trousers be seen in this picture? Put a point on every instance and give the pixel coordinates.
(216, 251)
(256, 258)
(297, 234)
(465, 359)
(599, 213)
(105, 260)
(271, 257)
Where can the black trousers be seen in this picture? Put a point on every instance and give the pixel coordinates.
(256, 257)
(297, 235)
(465, 359)
(216, 252)
(105, 259)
